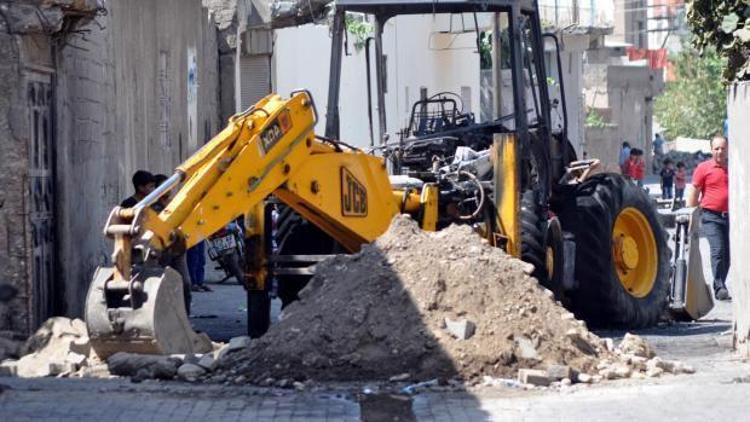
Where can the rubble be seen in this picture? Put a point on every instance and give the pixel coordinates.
(143, 366)
(462, 329)
(190, 372)
(559, 372)
(235, 344)
(432, 309)
(443, 305)
(634, 345)
(534, 377)
(59, 347)
(207, 362)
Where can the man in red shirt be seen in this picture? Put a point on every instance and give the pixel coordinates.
(711, 183)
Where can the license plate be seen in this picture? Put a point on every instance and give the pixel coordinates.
(223, 243)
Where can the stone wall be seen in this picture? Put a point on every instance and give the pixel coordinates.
(739, 203)
(14, 314)
(128, 99)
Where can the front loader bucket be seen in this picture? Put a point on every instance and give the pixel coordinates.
(145, 316)
(690, 297)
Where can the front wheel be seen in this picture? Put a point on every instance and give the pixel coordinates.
(622, 258)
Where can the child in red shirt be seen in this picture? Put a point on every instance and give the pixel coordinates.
(635, 167)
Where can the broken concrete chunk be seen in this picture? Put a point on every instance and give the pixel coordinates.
(9, 368)
(622, 371)
(237, 343)
(77, 359)
(634, 345)
(580, 342)
(527, 268)
(461, 329)
(534, 377)
(400, 377)
(616, 371)
(683, 368)
(81, 345)
(95, 371)
(559, 372)
(190, 372)
(670, 366)
(654, 372)
(637, 362)
(657, 362)
(525, 348)
(143, 366)
(52, 329)
(584, 378)
(207, 362)
(31, 366)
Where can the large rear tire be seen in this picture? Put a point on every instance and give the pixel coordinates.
(622, 258)
(533, 227)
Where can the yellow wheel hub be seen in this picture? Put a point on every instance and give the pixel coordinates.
(550, 262)
(635, 254)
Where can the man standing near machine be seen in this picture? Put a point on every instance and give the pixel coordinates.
(711, 188)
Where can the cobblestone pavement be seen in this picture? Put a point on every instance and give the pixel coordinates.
(119, 400)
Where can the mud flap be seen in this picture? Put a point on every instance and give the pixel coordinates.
(145, 316)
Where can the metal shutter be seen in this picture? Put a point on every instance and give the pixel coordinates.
(255, 79)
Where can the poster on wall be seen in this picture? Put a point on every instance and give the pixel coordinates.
(192, 99)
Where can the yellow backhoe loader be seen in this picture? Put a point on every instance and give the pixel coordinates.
(594, 239)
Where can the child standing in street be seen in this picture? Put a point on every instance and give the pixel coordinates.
(635, 168)
(680, 180)
(667, 179)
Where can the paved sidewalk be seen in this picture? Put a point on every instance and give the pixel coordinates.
(119, 400)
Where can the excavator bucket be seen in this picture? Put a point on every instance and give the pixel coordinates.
(690, 296)
(145, 315)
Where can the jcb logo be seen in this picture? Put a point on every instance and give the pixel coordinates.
(353, 196)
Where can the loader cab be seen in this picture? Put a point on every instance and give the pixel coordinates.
(507, 40)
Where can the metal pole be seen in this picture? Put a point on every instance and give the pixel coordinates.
(160, 190)
(334, 81)
(557, 15)
(380, 77)
(369, 89)
(497, 71)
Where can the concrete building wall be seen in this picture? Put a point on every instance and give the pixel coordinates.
(739, 203)
(631, 22)
(14, 315)
(622, 94)
(138, 90)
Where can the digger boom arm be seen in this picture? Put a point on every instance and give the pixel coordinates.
(270, 149)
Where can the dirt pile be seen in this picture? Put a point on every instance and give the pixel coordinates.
(418, 306)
